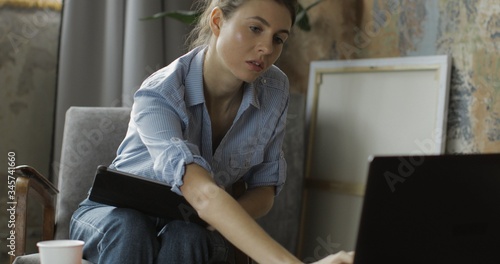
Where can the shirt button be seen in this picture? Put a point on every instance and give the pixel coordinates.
(263, 81)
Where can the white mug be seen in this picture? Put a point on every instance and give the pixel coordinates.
(60, 251)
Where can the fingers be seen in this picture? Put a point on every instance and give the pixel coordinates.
(341, 257)
(344, 257)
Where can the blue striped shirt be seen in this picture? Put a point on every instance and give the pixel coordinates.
(170, 127)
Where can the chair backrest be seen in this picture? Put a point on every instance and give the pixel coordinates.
(91, 138)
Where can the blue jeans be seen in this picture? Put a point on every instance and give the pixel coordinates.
(121, 235)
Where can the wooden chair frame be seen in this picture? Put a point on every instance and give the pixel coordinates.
(31, 182)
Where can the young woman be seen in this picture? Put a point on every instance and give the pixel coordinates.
(214, 116)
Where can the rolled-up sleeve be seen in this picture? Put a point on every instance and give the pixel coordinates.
(268, 174)
(160, 125)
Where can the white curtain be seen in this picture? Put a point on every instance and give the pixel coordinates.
(106, 51)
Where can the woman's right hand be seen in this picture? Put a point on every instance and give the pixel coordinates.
(341, 257)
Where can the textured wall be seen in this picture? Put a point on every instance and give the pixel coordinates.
(468, 30)
(332, 22)
(28, 59)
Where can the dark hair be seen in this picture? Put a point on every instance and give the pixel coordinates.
(201, 34)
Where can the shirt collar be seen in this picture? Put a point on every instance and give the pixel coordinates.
(250, 94)
(194, 78)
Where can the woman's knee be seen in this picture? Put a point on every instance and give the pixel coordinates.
(120, 221)
(111, 233)
(130, 226)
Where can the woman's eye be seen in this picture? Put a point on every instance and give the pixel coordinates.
(279, 40)
(255, 29)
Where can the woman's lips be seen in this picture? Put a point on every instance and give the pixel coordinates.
(255, 65)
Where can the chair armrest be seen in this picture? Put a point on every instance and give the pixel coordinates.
(30, 182)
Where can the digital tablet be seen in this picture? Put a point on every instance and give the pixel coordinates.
(121, 189)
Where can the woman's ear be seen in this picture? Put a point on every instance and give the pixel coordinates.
(216, 18)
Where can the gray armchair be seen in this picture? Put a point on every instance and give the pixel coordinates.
(91, 137)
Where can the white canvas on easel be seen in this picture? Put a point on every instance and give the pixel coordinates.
(357, 109)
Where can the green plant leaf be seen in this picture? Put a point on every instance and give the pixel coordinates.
(313, 5)
(186, 17)
(302, 17)
(190, 17)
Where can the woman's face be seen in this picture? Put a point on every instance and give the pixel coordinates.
(251, 40)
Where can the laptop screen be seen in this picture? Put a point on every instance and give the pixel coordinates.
(431, 209)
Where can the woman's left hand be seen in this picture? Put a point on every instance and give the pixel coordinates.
(341, 257)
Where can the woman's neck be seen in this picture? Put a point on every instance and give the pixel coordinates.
(223, 96)
(219, 84)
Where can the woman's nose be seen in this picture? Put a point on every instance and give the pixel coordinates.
(266, 46)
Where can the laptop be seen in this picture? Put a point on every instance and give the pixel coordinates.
(431, 209)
